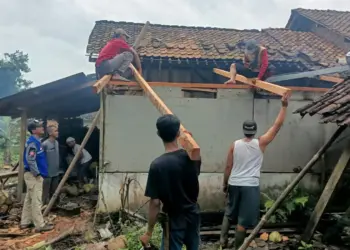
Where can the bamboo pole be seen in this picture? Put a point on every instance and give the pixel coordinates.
(326, 194)
(290, 187)
(186, 140)
(100, 84)
(72, 164)
(23, 133)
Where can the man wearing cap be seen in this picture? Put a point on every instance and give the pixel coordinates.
(85, 160)
(35, 169)
(241, 178)
(255, 63)
(116, 56)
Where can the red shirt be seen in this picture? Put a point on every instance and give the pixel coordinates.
(111, 49)
(264, 65)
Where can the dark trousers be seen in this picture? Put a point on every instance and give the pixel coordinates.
(84, 172)
(188, 235)
(243, 206)
(50, 185)
(244, 71)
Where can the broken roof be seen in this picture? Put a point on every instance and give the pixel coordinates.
(169, 41)
(338, 21)
(333, 106)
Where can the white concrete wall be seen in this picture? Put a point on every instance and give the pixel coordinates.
(131, 142)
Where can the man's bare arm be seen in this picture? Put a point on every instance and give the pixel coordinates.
(154, 209)
(229, 165)
(137, 60)
(268, 137)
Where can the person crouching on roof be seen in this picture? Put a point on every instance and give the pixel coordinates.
(255, 63)
(116, 57)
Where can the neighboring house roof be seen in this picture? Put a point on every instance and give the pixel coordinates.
(338, 21)
(333, 106)
(166, 41)
(67, 97)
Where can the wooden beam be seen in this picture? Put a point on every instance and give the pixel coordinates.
(326, 194)
(273, 88)
(331, 79)
(185, 140)
(100, 84)
(210, 86)
(22, 141)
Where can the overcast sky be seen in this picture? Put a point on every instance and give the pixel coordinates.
(55, 32)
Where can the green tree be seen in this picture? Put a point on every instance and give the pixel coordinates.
(13, 66)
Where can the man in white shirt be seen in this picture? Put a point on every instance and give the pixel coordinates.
(84, 161)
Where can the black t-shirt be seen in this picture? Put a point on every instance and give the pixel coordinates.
(173, 179)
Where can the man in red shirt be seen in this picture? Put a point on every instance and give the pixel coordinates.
(116, 56)
(256, 63)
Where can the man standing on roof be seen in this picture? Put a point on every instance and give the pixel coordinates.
(173, 180)
(85, 160)
(35, 169)
(241, 177)
(256, 63)
(116, 56)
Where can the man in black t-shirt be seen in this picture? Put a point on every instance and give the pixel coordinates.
(173, 180)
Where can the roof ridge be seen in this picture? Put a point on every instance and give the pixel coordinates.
(178, 26)
(322, 10)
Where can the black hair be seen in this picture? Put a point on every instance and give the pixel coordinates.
(168, 127)
(249, 136)
(115, 35)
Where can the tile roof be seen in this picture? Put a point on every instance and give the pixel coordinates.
(338, 21)
(217, 43)
(333, 106)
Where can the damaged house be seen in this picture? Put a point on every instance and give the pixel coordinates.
(173, 56)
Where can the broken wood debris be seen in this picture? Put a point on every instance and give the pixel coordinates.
(273, 88)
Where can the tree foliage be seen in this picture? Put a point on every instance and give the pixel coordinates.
(13, 66)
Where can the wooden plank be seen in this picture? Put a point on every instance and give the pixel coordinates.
(331, 79)
(8, 174)
(210, 86)
(185, 140)
(23, 133)
(326, 194)
(100, 84)
(273, 88)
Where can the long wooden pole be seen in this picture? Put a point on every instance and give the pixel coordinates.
(326, 194)
(291, 186)
(72, 164)
(100, 84)
(186, 140)
(23, 133)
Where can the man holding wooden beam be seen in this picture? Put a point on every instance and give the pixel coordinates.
(255, 63)
(173, 180)
(241, 177)
(116, 56)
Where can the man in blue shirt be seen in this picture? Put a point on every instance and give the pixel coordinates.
(35, 169)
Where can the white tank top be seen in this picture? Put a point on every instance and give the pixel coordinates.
(247, 161)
